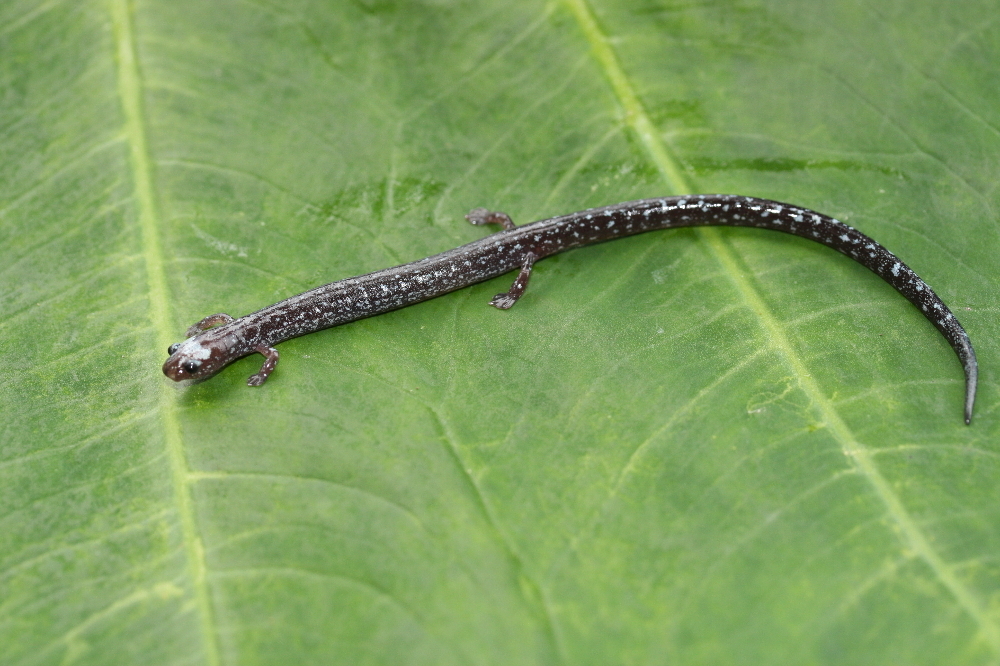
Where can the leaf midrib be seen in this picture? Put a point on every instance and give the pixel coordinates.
(129, 82)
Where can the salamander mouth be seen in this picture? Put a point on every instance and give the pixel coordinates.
(172, 370)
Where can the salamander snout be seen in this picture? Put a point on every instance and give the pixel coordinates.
(179, 371)
(190, 360)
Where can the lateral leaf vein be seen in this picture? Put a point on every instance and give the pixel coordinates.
(860, 456)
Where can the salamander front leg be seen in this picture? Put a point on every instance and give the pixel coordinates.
(271, 362)
(505, 301)
(208, 322)
(482, 216)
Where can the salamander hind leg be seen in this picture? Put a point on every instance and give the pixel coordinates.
(481, 216)
(506, 300)
(208, 322)
(270, 363)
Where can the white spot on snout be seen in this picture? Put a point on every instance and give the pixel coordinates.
(191, 349)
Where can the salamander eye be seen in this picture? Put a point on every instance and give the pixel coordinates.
(172, 348)
(191, 367)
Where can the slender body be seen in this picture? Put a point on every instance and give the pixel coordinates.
(207, 350)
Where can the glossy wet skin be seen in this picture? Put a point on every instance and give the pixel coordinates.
(199, 357)
(207, 350)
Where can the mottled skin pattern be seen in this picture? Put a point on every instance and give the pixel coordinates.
(207, 350)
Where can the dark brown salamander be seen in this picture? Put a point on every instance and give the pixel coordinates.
(207, 350)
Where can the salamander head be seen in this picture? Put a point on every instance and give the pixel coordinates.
(199, 357)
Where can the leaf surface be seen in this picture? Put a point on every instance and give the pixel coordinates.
(696, 446)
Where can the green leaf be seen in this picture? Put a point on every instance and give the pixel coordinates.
(724, 446)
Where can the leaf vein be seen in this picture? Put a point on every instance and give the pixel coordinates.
(910, 534)
(130, 91)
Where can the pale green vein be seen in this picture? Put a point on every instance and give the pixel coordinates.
(577, 166)
(218, 475)
(537, 597)
(635, 115)
(364, 585)
(503, 140)
(359, 584)
(72, 640)
(909, 533)
(632, 464)
(130, 91)
(83, 548)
